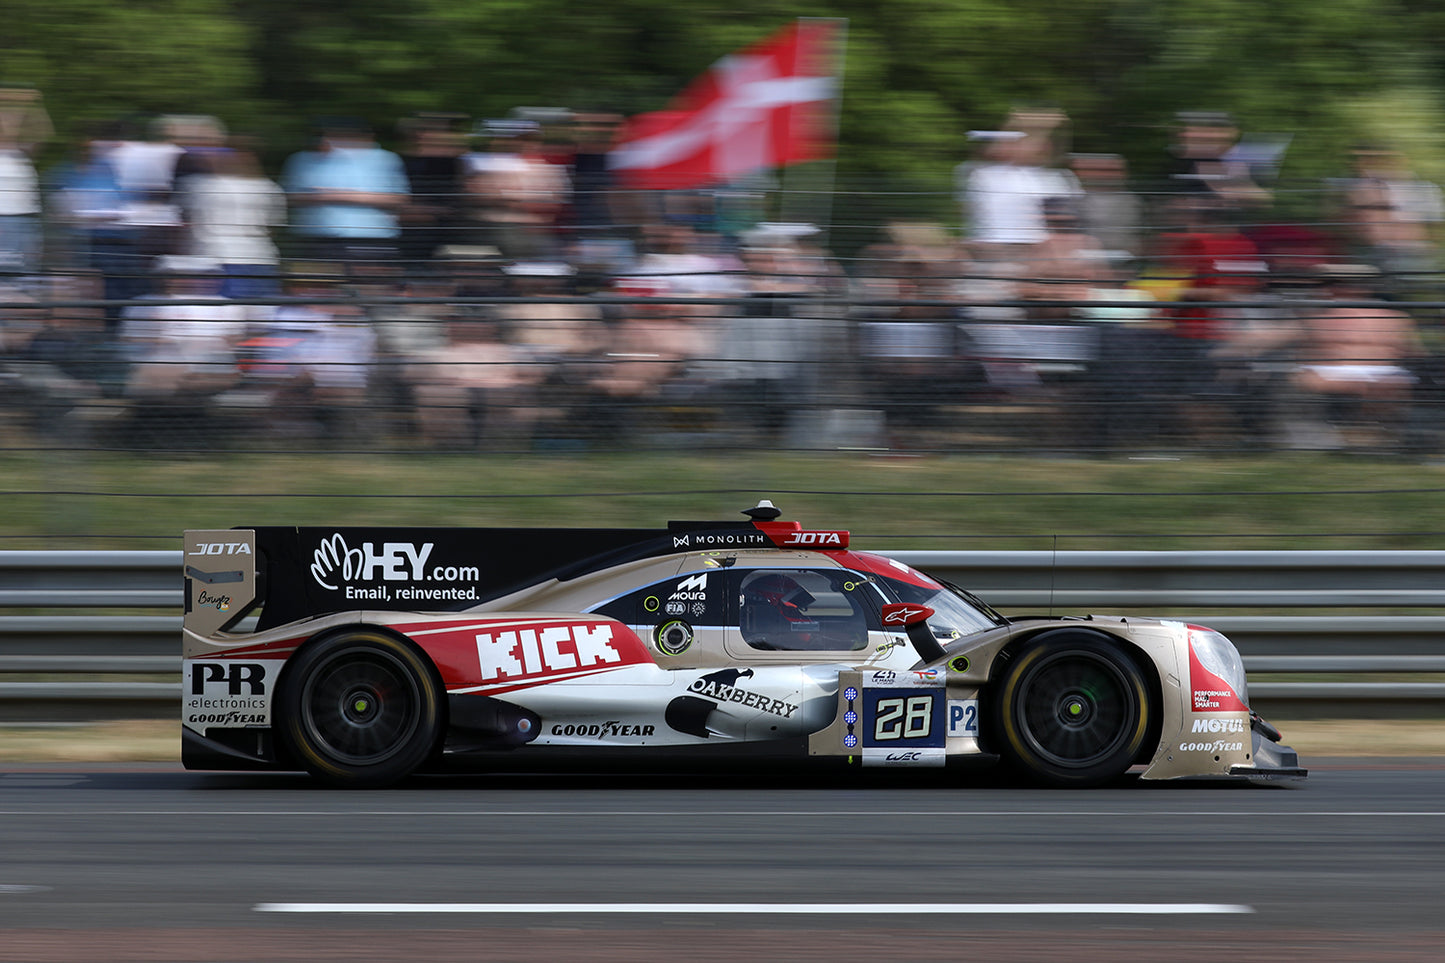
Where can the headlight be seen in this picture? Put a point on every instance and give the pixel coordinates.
(1220, 662)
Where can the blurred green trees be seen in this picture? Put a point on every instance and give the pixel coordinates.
(918, 74)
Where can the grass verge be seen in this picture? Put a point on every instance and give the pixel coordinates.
(950, 501)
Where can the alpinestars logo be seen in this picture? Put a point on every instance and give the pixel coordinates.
(900, 616)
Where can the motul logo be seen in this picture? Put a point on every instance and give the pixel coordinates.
(1218, 725)
(556, 648)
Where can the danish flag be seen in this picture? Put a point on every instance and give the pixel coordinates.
(764, 106)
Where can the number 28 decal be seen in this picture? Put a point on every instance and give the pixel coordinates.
(910, 718)
(904, 717)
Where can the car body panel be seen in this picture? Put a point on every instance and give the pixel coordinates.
(703, 635)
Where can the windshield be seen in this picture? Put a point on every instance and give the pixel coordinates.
(956, 612)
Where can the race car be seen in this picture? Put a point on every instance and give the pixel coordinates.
(362, 655)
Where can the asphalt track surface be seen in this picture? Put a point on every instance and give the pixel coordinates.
(156, 864)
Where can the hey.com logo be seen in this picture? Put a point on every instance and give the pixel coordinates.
(335, 563)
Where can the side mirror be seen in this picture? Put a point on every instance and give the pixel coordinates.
(914, 620)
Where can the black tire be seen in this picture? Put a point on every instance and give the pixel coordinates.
(361, 709)
(1070, 709)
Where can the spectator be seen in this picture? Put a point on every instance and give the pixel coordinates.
(55, 359)
(515, 192)
(1066, 265)
(1108, 209)
(911, 351)
(24, 127)
(231, 208)
(346, 195)
(1201, 162)
(679, 262)
(314, 359)
(779, 265)
(182, 346)
(592, 182)
(436, 174)
(1391, 213)
(1003, 196)
(1210, 264)
(554, 331)
(647, 355)
(200, 138)
(92, 205)
(145, 166)
(477, 387)
(1358, 356)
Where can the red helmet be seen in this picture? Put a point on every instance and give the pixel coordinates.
(772, 612)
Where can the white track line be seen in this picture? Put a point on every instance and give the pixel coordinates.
(749, 813)
(772, 909)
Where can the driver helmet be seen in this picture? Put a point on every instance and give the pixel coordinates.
(774, 605)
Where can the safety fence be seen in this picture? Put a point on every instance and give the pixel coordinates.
(91, 635)
(603, 372)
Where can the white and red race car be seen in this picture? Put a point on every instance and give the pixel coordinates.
(365, 654)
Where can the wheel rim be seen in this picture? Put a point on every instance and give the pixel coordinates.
(1076, 709)
(360, 708)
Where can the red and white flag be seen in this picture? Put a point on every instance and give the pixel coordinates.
(768, 105)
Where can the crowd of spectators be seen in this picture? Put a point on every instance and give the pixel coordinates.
(494, 286)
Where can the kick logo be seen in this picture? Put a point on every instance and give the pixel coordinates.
(527, 653)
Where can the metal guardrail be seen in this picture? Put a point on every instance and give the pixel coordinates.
(95, 652)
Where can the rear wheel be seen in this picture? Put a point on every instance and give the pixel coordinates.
(1071, 709)
(360, 709)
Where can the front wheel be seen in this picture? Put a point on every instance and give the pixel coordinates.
(1071, 709)
(360, 709)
